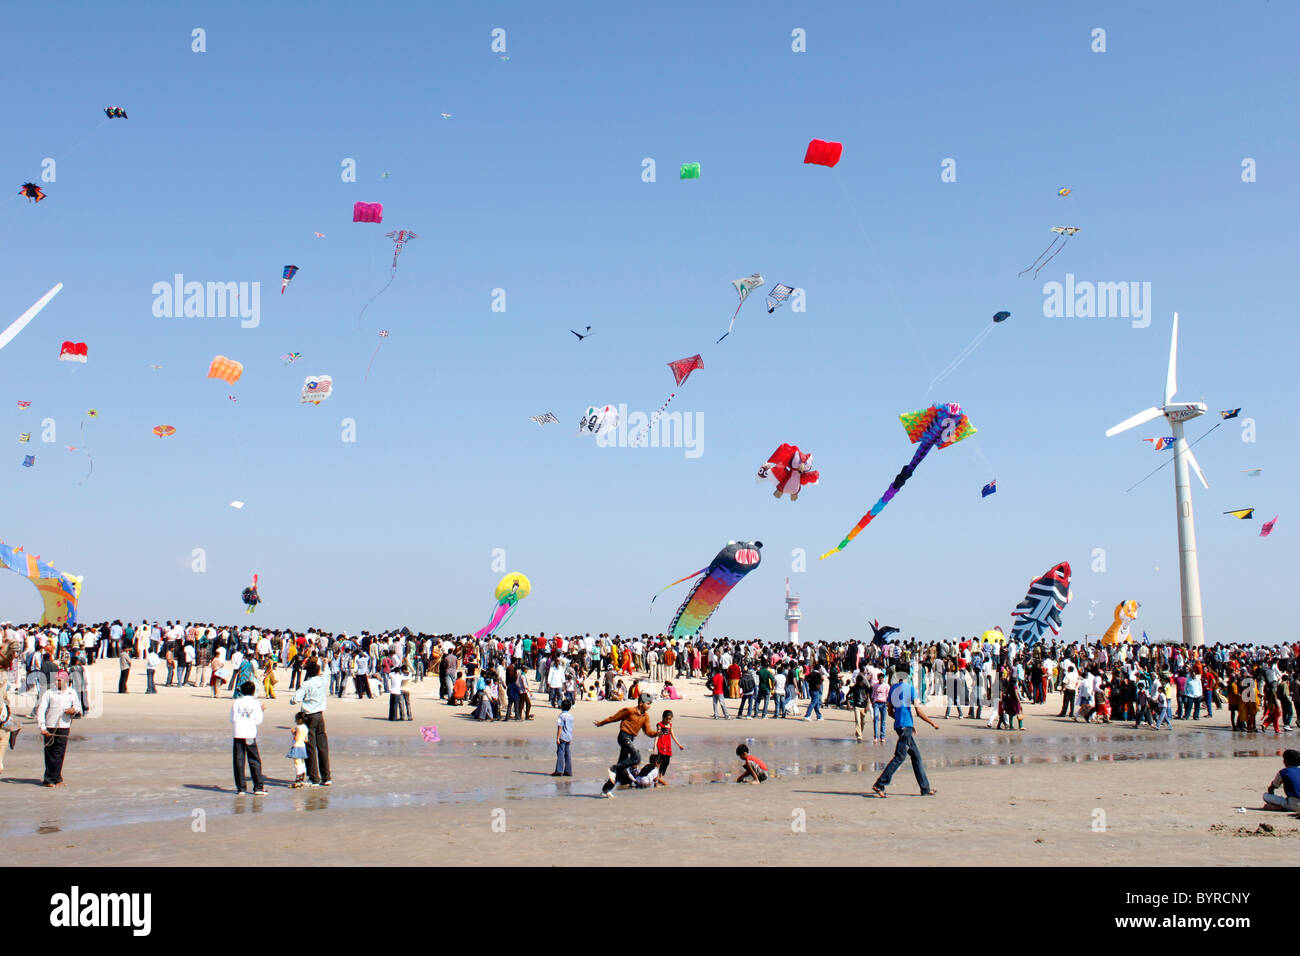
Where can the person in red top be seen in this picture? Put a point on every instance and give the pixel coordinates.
(733, 680)
(755, 771)
(718, 686)
(664, 743)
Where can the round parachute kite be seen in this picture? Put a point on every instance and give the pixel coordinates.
(822, 153)
(226, 369)
(511, 589)
(164, 431)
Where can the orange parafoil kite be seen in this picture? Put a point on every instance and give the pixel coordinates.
(163, 431)
(225, 368)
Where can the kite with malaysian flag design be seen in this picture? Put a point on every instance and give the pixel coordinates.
(24, 404)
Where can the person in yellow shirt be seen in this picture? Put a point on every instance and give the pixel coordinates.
(268, 678)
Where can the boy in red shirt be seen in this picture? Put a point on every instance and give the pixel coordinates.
(755, 771)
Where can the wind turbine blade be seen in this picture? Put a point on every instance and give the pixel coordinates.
(1171, 380)
(20, 323)
(1141, 418)
(1191, 460)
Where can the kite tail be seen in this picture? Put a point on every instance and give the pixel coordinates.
(645, 429)
(391, 277)
(1050, 258)
(1055, 239)
(87, 451)
(899, 480)
(733, 321)
(693, 574)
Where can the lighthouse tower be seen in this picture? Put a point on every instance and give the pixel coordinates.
(792, 614)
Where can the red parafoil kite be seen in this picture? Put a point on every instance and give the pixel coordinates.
(163, 431)
(368, 212)
(72, 352)
(823, 153)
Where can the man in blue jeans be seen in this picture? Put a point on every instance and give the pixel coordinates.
(815, 695)
(903, 698)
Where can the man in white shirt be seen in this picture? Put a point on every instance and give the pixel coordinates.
(54, 713)
(151, 665)
(246, 716)
(555, 681)
(397, 708)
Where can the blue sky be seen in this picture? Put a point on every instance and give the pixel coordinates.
(230, 161)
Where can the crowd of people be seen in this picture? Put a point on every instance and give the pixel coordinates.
(500, 679)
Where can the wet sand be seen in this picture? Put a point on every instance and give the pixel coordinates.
(150, 783)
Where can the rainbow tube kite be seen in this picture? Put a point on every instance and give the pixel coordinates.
(935, 427)
(511, 589)
(60, 591)
(731, 564)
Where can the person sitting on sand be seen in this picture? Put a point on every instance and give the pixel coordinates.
(458, 690)
(649, 776)
(669, 692)
(1288, 778)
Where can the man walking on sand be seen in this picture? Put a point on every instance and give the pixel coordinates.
(631, 722)
(903, 699)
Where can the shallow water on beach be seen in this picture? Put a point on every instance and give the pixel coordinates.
(385, 767)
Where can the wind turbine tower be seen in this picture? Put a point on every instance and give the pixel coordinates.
(1189, 576)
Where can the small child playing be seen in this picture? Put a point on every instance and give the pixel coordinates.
(664, 743)
(755, 771)
(1288, 778)
(651, 775)
(268, 679)
(298, 750)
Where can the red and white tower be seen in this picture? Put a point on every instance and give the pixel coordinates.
(792, 614)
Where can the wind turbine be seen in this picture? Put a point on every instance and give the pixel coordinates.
(1176, 413)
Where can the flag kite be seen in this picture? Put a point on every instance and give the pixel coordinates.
(1242, 513)
(1267, 527)
(73, 352)
(226, 369)
(29, 460)
(24, 436)
(289, 273)
(511, 589)
(730, 564)
(990, 489)
(315, 389)
(1042, 606)
(822, 153)
(1253, 472)
(789, 469)
(777, 296)
(368, 212)
(164, 431)
(1063, 235)
(547, 418)
(1161, 443)
(935, 427)
(690, 171)
(60, 591)
(290, 357)
(743, 288)
(22, 404)
(319, 235)
(115, 112)
(1230, 413)
(20, 323)
(33, 192)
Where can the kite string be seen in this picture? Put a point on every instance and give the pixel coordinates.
(1171, 458)
(962, 356)
(391, 277)
(372, 361)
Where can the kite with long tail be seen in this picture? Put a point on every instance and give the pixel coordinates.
(743, 288)
(1063, 234)
(682, 369)
(730, 564)
(935, 427)
(400, 238)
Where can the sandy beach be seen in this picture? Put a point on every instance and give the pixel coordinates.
(150, 783)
